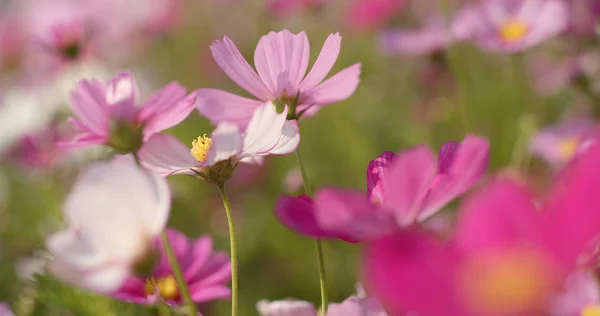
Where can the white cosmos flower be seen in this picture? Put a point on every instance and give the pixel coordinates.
(114, 212)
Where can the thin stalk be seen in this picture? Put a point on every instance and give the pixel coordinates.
(233, 249)
(183, 288)
(319, 248)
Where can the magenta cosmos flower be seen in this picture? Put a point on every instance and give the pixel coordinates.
(515, 25)
(353, 306)
(268, 133)
(402, 190)
(113, 213)
(370, 14)
(205, 273)
(510, 255)
(111, 114)
(281, 60)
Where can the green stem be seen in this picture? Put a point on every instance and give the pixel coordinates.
(183, 288)
(319, 248)
(233, 249)
(163, 309)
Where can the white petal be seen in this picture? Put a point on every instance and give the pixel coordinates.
(264, 130)
(166, 155)
(226, 143)
(289, 140)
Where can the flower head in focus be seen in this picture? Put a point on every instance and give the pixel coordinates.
(204, 271)
(510, 254)
(513, 26)
(110, 113)
(281, 60)
(402, 190)
(114, 212)
(215, 157)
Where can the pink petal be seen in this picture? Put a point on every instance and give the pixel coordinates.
(89, 106)
(298, 214)
(337, 88)
(219, 106)
(264, 130)
(82, 140)
(166, 155)
(324, 63)
(204, 294)
(410, 271)
(162, 100)
(376, 176)
(201, 251)
(289, 140)
(355, 306)
(227, 142)
(407, 182)
(349, 213)
(178, 111)
(432, 38)
(229, 58)
(281, 60)
(122, 89)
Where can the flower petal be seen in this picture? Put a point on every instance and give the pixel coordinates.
(337, 88)
(89, 106)
(219, 106)
(289, 140)
(229, 58)
(205, 294)
(281, 59)
(178, 111)
(166, 155)
(327, 57)
(264, 130)
(122, 89)
(227, 142)
(376, 176)
(298, 214)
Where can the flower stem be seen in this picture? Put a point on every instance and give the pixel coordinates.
(233, 249)
(185, 292)
(319, 248)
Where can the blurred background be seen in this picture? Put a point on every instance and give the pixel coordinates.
(423, 81)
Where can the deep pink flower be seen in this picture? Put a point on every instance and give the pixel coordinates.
(403, 189)
(515, 25)
(205, 273)
(281, 60)
(370, 14)
(111, 114)
(509, 255)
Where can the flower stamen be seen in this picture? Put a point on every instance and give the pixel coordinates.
(513, 30)
(200, 147)
(165, 286)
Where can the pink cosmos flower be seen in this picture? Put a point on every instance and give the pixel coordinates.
(559, 144)
(281, 60)
(353, 306)
(38, 150)
(515, 25)
(580, 296)
(370, 14)
(205, 274)
(402, 190)
(432, 37)
(111, 114)
(286, 7)
(5, 310)
(113, 213)
(509, 256)
(268, 133)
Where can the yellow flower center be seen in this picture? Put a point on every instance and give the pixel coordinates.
(567, 147)
(166, 287)
(200, 147)
(590, 310)
(513, 30)
(506, 282)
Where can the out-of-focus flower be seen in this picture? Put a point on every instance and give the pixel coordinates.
(432, 37)
(28, 267)
(403, 189)
(559, 144)
(509, 256)
(292, 182)
(5, 310)
(110, 113)
(268, 133)
(114, 213)
(286, 7)
(514, 26)
(38, 151)
(370, 14)
(352, 306)
(585, 17)
(281, 60)
(580, 296)
(204, 271)
(552, 76)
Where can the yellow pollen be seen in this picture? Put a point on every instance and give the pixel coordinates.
(506, 282)
(200, 147)
(567, 147)
(166, 286)
(590, 310)
(513, 30)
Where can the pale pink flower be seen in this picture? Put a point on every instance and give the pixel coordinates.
(559, 144)
(431, 38)
(287, 7)
(113, 213)
(268, 133)
(111, 114)
(352, 306)
(205, 272)
(281, 60)
(5, 310)
(580, 296)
